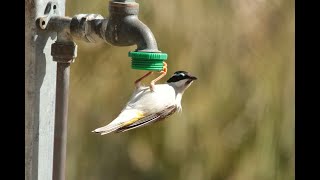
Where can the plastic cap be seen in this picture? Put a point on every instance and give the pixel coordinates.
(147, 61)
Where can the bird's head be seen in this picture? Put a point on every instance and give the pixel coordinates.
(181, 80)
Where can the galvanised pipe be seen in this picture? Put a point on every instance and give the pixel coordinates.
(64, 53)
(60, 127)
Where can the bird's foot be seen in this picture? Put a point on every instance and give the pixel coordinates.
(152, 86)
(138, 81)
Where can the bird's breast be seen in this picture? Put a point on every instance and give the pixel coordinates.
(153, 101)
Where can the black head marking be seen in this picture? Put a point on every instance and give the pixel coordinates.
(179, 75)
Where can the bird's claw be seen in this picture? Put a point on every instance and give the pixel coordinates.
(152, 86)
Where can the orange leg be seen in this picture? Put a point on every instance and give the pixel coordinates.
(163, 73)
(137, 82)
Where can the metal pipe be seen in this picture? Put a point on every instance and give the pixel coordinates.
(56, 23)
(124, 27)
(60, 127)
(63, 52)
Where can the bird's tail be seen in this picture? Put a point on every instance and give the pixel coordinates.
(125, 118)
(107, 129)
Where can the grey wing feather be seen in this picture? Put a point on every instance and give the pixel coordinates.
(152, 118)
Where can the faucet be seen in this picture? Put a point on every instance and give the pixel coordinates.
(121, 28)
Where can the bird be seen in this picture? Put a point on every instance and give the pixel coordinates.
(150, 104)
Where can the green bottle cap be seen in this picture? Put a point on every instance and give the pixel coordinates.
(147, 61)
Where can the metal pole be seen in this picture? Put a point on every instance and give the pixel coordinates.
(61, 114)
(40, 87)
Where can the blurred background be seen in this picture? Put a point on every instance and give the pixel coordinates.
(238, 118)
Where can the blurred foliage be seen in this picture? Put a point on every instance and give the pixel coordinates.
(238, 118)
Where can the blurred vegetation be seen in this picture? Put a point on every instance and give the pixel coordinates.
(238, 118)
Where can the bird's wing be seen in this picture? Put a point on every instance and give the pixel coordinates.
(149, 119)
(125, 118)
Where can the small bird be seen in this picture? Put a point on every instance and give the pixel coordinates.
(148, 105)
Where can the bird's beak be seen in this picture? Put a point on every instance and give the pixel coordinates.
(190, 79)
(193, 77)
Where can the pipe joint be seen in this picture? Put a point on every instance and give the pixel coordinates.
(64, 52)
(86, 27)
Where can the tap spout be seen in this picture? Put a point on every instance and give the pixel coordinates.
(121, 28)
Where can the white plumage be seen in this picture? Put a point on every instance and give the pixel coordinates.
(146, 106)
